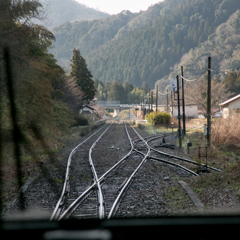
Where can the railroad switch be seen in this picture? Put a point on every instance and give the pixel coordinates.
(166, 145)
(205, 168)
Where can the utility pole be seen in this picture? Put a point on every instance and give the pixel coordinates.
(172, 103)
(149, 100)
(179, 116)
(209, 104)
(156, 98)
(132, 111)
(167, 101)
(183, 104)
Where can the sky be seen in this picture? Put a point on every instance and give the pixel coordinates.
(116, 6)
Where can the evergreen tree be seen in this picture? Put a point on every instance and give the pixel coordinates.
(117, 92)
(145, 87)
(128, 87)
(230, 81)
(83, 76)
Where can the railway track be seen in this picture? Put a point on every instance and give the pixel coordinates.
(111, 177)
(119, 183)
(66, 185)
(187, 162)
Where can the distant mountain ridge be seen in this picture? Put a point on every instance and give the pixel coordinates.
(60, 11)
(144, 46)
(224, 48)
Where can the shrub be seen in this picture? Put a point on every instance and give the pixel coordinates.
(61, 117)
(80, 121)
(150, 117)
(160, 118)
(163, 118)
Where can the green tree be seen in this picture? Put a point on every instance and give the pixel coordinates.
(230, 81)
(145, 87)
(135, 95)
(83, 76)
(97, 82)
(128, 87)
(117, 93)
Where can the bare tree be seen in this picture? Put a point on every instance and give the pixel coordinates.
(72, 94)
(196, 92)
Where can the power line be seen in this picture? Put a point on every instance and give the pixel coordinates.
(192, 80)
(163, 93)
(225, 71)
(207, 69)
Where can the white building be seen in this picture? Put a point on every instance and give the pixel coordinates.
(231, 106)
(191, 110)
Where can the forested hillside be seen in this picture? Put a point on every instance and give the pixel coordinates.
(57, 12)
(144, 46)
(224, 48)
(116, 91)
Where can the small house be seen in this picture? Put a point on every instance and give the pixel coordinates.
(88, 113)
(231, 106)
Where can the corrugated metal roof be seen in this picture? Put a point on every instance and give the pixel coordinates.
(230, 100)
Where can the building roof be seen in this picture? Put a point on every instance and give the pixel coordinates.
(186, 104)
(230, 100)
(88, 107)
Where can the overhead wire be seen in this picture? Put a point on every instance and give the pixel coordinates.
(192, 80)
(225, 71)
(163, 93)
(208, 69)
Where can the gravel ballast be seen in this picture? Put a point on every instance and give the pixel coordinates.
(155, 190)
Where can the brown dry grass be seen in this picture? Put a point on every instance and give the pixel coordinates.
(227, 131)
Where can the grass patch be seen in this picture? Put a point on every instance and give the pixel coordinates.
(227, 131)
(223, 180)
(84, 177)
(152, 129)
(124, 114)
(176, 198)
(58, 180)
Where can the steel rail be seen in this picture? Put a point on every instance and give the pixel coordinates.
(174, 164)
(100, 195)
(163, 135)
(168, 162)
(115, 205)
(154, 137)
(78, 201)
(60, 202)
(124, 188)
(185, 160)
(179, 158)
